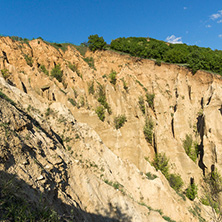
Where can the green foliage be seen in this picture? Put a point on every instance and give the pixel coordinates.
(191, 191)
(175, 181)
(90, 62)
(112, 77)
(124, 84)
(44, 70)
(96, 43)
(119, 121)
(5, 73)
(15, 207)
(150, 99)
(82, 48)
(142, 104)
(160, 162)
(102, 98)
(72, 67)
(151, 176)
(158, 62)
(48, 112)
(57, 72)
(29, 60)
(100, 111)
(148, 131)
(213, 190)
(72, 101)
(194, 57)
(91, 87)
(190, 147)
(168, 219)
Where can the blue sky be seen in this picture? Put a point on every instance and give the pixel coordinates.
(194, 22)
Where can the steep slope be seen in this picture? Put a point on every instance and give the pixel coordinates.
(62, 149)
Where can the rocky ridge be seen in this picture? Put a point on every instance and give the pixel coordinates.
(53, 140)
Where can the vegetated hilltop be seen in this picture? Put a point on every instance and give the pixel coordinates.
(101, 136)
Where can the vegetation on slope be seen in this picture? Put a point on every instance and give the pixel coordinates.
(194, 57)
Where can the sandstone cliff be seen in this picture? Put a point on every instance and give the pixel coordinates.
(54, 142)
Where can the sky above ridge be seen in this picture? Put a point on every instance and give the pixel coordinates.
(194, 22)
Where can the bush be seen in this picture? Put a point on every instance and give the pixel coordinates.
(44, 70)
(151, 176)
(102, 98)
(112, 77)
(119, 121)
(175, 181)
(160, 162)
(28, 60)
(90, 62)
(5, 73)
(142, 104)
(57, 72)
(148, 131)
(190, 148)
(91, 88)
(96, 43)
(72, 67)
(150, 99)
(100, 111)
(191, 191)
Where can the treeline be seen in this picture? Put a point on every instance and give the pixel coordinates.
(193, 57)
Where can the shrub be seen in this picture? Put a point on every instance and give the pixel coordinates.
(44, 70)
(160, 162)
(151, 176)
(96, 43)
(91, 88)
(102, 98)
(90, 62)
(72, 101)
(119, 121)
(191, 191)
(5, 73)
(190, 148)
(142, 104)
(100, 111)
(158, 62)
(175, 181)
(112, 77)
(72, 67)
(124, 84)
(150, 99)
(57, 72)
(28, 60)
(148, 130)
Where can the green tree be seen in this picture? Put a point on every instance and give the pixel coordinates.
(96, 43)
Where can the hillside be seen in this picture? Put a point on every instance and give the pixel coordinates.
(63, 147)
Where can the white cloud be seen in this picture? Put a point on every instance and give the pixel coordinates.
(174, 40)
(220, 36)
(208, 26)
(219, 21)
(216, 15)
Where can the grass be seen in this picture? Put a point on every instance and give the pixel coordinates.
(14, 207)
(90, 62)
